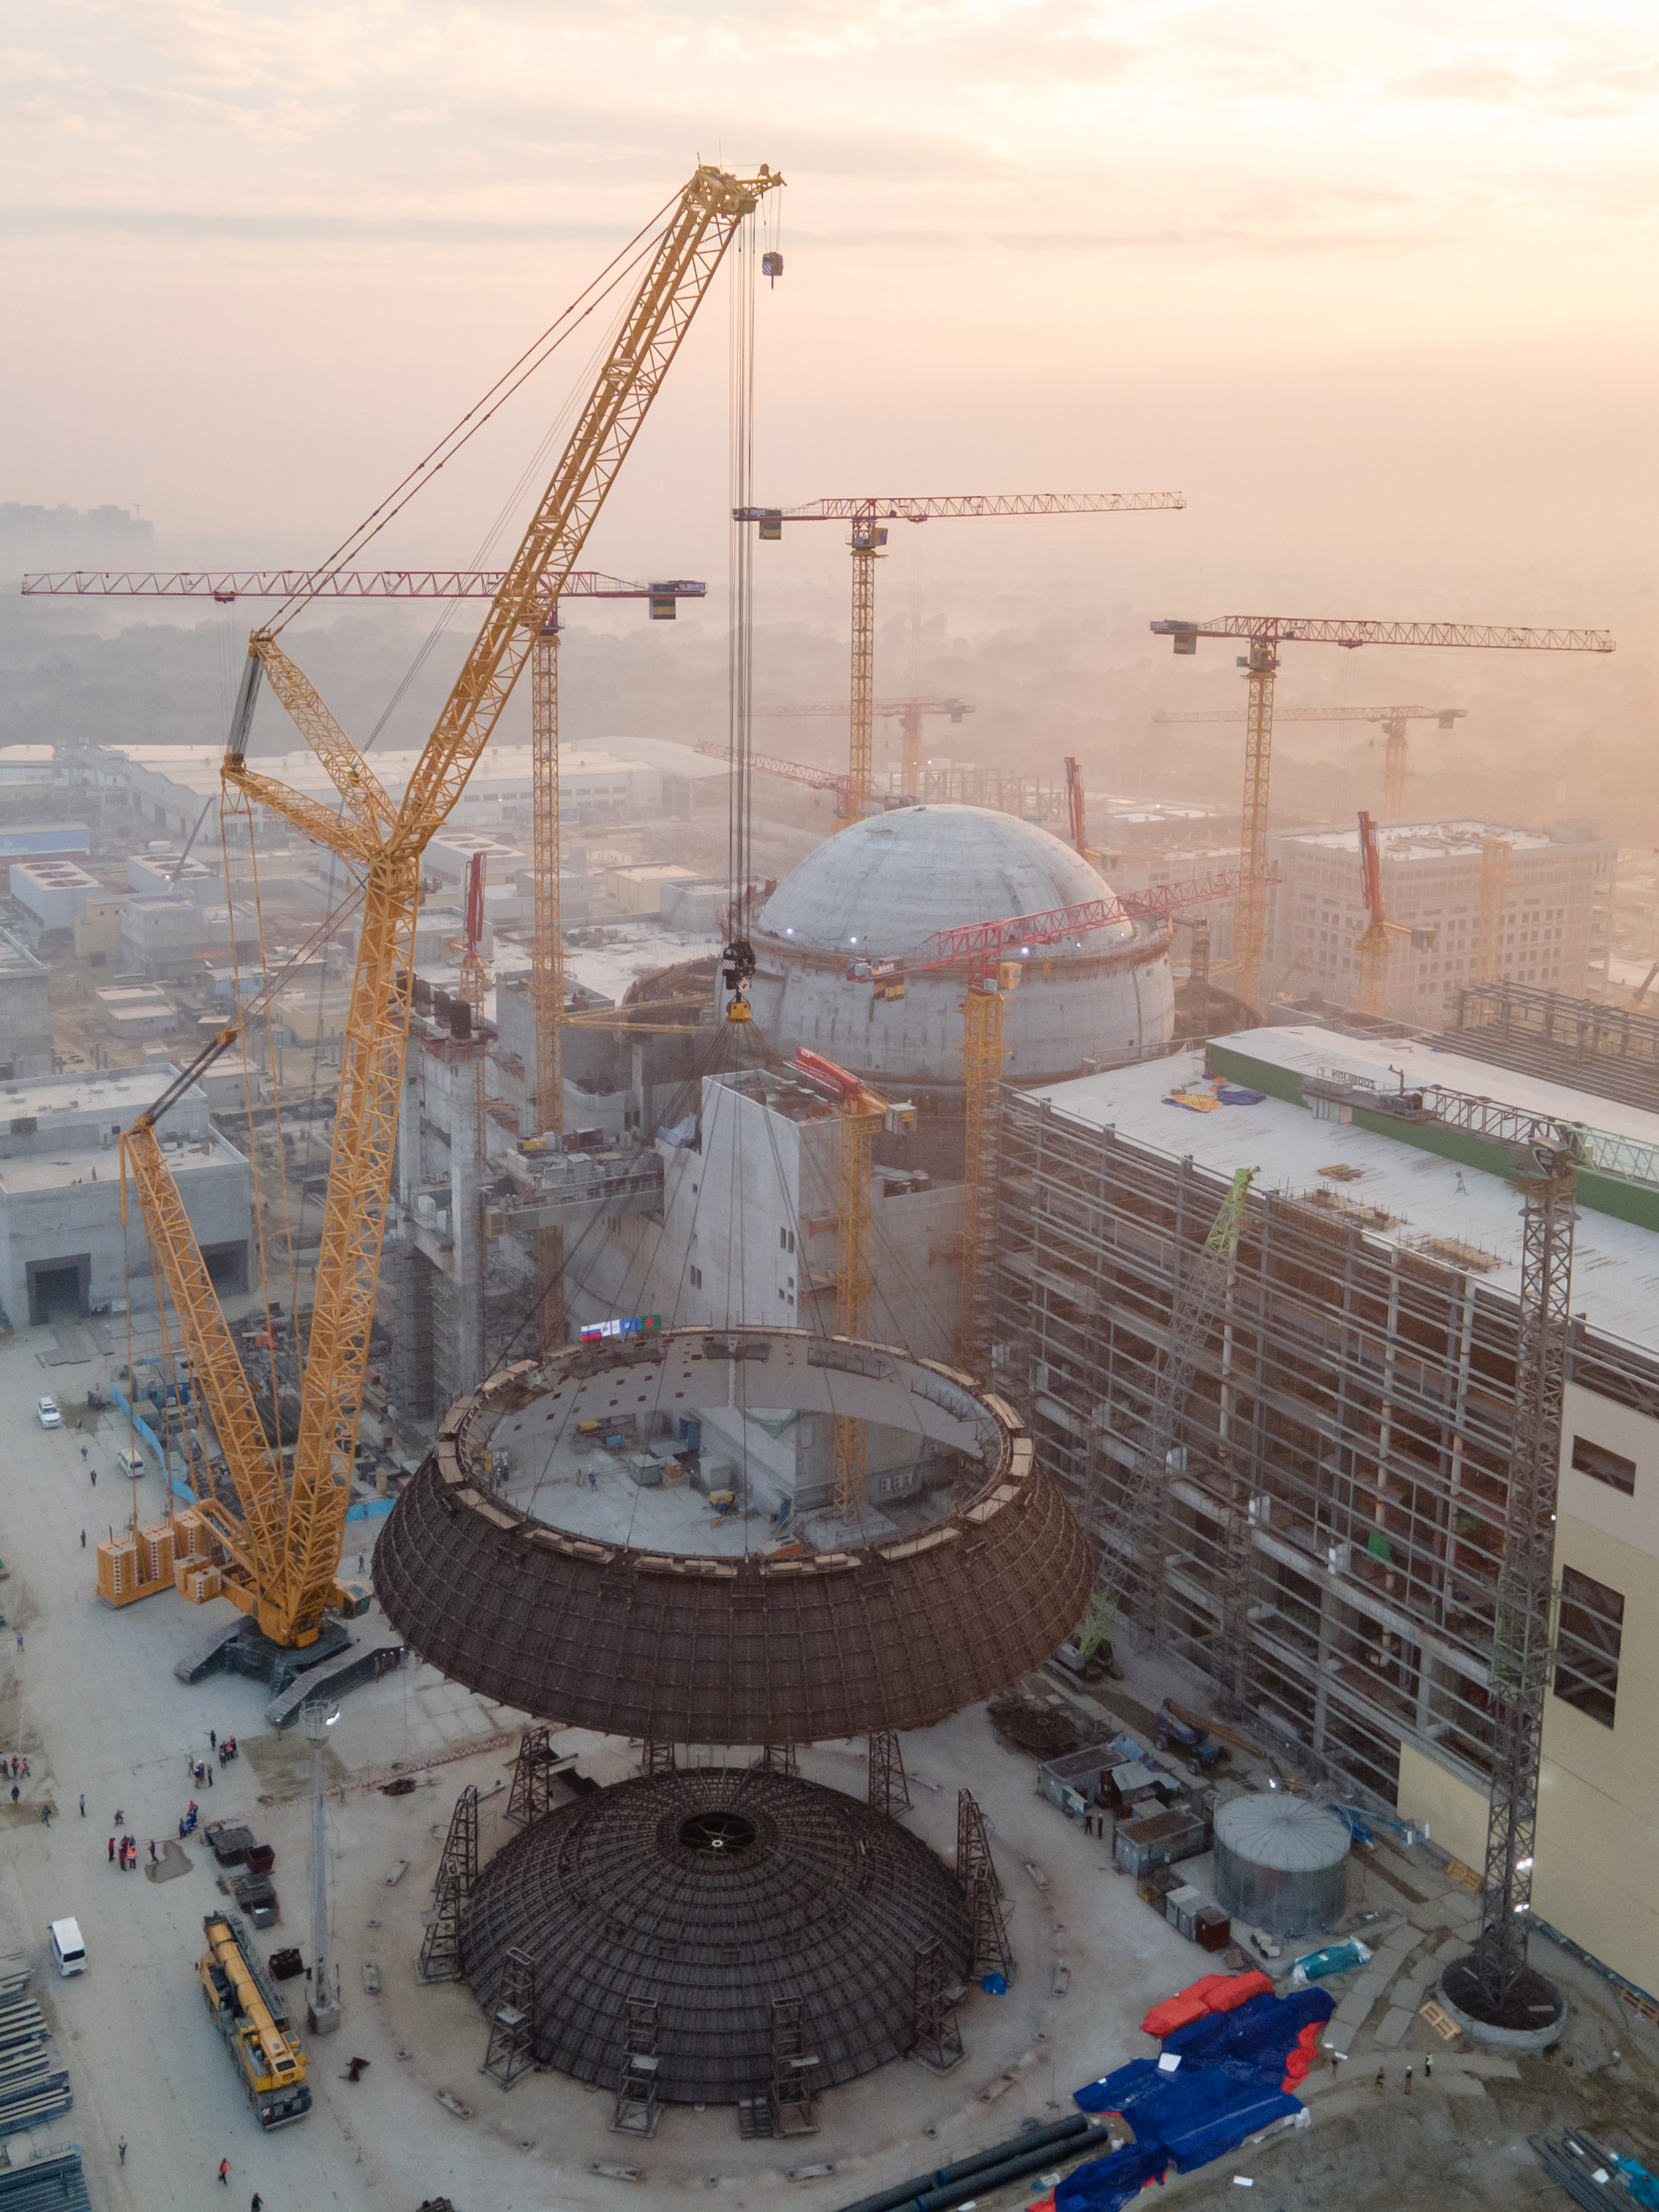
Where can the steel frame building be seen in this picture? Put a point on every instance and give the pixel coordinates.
(1366, 1388)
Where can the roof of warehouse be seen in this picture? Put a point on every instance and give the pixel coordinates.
(1615, 1276)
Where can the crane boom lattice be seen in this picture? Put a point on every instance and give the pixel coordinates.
(290, 1599)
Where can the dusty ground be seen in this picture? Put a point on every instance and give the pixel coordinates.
(93, 1700)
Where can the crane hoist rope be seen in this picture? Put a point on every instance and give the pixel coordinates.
(284, 1549)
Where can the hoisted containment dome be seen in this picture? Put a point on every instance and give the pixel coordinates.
(1281, 1863)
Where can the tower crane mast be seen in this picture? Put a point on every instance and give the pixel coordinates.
(868, 516)
(1395, 721)
(1263, 635)
(284, 1551)
(909, 713)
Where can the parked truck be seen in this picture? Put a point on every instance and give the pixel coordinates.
(253, 2019)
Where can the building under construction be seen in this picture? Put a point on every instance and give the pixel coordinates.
(1357, 1389)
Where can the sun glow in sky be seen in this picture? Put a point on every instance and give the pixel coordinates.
(1372, 284)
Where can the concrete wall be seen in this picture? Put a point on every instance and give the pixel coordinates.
(1597, 1875)
(25, 1013)
(1111, 1009)
(1598, 1814)
(76, 1221)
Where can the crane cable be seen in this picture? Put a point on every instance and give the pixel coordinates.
(639, 248)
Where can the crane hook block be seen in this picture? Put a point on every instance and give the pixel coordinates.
(772, 266)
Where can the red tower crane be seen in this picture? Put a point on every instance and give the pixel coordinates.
(867, 517)
(1264, 635)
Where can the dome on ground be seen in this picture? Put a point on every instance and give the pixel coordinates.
(881, 886)
(709, 1893)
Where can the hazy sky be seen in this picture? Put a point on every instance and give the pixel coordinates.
(1373, 284)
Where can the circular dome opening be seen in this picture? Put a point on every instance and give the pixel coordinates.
(719, 1830)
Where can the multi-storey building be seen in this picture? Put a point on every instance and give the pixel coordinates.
(1547, 895)
(1360, 1383)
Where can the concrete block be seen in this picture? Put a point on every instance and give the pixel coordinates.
(1394, 2028)
(1370, 1984)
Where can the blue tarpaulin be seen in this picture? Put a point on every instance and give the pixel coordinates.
(1226, 2087)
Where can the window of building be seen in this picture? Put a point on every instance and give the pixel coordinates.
(1608, 1467)
(696, 1274)
(786, 1240)
(1586, 1645)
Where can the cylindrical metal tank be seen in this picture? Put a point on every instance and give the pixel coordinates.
(1281, 1863)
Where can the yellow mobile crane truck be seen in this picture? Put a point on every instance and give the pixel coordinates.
(251, 2017)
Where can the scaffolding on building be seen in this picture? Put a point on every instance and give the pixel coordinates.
(1369, 1388)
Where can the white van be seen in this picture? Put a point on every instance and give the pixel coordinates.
(129, 1466)
(67, 1947)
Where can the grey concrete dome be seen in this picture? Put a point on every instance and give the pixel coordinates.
(881, 888)
(882, 885)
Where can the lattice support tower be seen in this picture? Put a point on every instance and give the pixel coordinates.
(860, 756)
(778, 1758)
(1394, 768)
(511, 2050)
(1488, 961)
(1250, 913)
(1520, 1627)
(547, 955)
(790, 2066)
(856, 1163)
(889, 1787)
(934, 1999)
(657, 1757)
(983, 1055)
(987, 1909)
(1198, 974)
(1135, 1544)
(637, 2109)
(530, 1798)
(452, 1893)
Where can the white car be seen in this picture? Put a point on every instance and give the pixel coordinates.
(50, 1416)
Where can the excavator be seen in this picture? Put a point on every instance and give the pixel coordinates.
(281, 1548)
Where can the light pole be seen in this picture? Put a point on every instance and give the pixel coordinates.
(322, 2009)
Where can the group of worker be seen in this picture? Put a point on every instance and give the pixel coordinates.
(125, 1848)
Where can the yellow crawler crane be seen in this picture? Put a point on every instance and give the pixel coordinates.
(283, 1548)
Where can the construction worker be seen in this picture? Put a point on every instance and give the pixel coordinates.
(1381, 2071)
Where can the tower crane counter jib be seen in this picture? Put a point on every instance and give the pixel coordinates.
(284, 1546)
